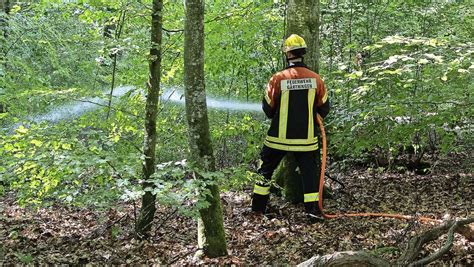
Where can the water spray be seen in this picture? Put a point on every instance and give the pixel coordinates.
(173, 95)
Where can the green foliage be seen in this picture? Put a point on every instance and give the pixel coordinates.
(85, 161)
(237, 137)
(59, 165)
(50, 46)
(416, 93)
(24, 258)
(241, 54)
(178, 185)
(399, 75)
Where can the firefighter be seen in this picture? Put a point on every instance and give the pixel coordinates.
(292, 100)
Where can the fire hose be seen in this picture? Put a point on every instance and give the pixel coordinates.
(364, 214)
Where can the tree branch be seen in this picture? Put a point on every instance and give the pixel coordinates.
(173, 30)
(245, 10)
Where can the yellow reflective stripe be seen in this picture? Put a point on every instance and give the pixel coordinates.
(325, 97)
(261, 190)
(292, 141)
(285, 98)
(291, 148)
(267, 98)
(311, 97)
(311, 197)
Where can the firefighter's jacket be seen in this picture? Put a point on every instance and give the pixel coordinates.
(293, 98)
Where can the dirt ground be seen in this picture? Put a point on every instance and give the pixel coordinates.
(67, 235)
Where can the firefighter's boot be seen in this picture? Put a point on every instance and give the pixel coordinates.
(313, 213)
(261, 194)
(259, 203)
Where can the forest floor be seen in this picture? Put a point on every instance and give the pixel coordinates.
(67, 235)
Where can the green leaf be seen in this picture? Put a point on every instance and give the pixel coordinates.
(37, 143)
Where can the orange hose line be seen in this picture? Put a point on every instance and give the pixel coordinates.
(364, 214)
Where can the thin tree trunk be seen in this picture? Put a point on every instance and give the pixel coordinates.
(211, 235)
(148, 208)
(332, 44)
(349, 59)
(118, 32)
(303, 19)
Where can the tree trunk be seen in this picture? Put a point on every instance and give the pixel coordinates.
(211, 235)
(148, 208)
(302, 19)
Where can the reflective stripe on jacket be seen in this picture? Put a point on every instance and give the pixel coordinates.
(293, 98)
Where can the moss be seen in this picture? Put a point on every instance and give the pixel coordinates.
(211, 235)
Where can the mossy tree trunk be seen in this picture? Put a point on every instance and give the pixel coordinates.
(211, 235)
(148, 208)
(303, 19)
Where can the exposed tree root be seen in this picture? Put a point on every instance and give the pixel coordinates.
(415, 245)
(408, 258)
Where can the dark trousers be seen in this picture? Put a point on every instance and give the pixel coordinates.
(309, 165)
